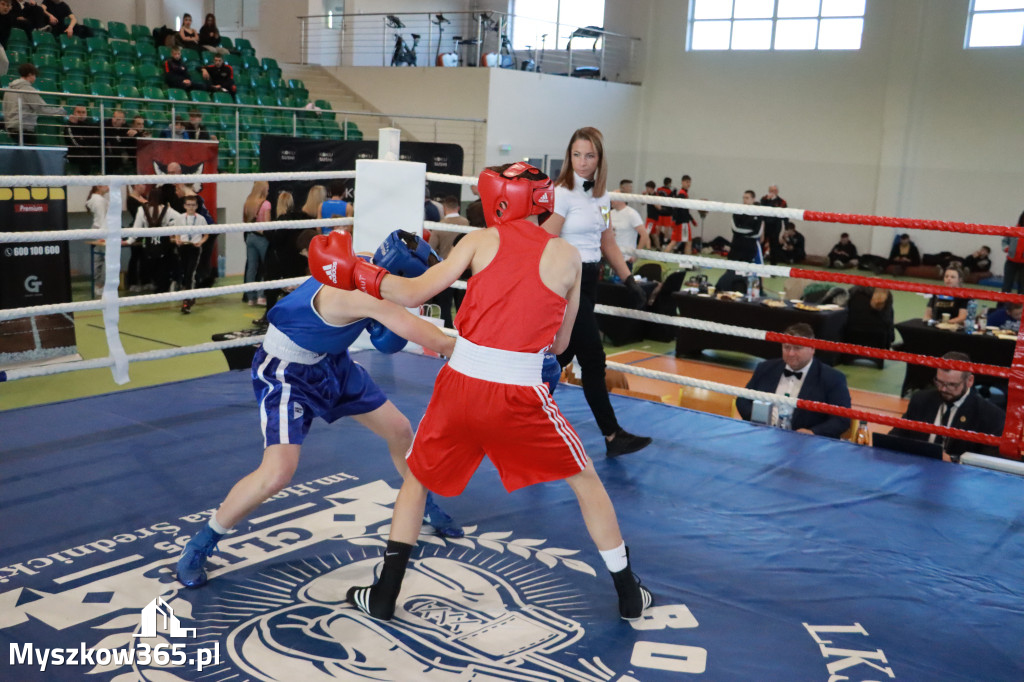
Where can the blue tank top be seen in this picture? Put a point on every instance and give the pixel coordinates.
(295, 316)
(330, 208)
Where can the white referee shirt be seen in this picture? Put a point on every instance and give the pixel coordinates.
(585, 219)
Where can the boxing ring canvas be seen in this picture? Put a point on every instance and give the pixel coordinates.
(772, 555)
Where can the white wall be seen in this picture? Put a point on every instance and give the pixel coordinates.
(911, 125)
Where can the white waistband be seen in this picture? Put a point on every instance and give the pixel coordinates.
(493, 364)
(280, 346)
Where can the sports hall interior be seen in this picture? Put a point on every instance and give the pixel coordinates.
(912, 125)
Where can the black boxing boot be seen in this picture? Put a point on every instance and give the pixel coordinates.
(379, 599)
(624, 442)
(633, 597)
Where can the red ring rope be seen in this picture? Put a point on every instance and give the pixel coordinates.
(912, 223)
(1015, 402)
(909, 424)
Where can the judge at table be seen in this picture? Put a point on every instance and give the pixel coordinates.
(956, 308)
(798, 373)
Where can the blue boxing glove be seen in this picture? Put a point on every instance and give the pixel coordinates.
(551, 373)
(403, 253)
(383, 339)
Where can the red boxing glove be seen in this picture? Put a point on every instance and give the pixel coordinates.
(332, 262)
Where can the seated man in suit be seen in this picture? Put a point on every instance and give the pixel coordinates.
(797, 374)
(952, 403)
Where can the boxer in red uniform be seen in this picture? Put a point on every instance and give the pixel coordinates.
(490, 399)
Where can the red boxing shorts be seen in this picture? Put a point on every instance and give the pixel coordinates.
(518, 427)
(683, 232)
(651, 225)
(665, 221)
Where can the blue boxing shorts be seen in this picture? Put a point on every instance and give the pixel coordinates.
(290, 394)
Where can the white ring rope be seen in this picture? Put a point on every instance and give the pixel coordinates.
(169, 230)
(213, 178)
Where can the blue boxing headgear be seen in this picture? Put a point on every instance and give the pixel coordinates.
(405, 254)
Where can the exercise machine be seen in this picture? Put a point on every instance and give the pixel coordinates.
(445, 58)
(404, 54)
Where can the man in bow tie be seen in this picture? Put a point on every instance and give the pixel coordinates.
(952, 402)
(797, 374)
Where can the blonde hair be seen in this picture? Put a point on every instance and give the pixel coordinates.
(285, 203)
(567, 179)
(255, 200)
(316, 196)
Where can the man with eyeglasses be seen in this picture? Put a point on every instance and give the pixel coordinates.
(952, 402)
(798, 375)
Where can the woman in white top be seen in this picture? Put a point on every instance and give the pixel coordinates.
(158, 251)
(96, 204)
(581, 216)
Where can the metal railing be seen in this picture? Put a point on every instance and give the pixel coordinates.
(470, 39)
(236, 127)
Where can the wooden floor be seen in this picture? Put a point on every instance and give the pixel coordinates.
(720, 403)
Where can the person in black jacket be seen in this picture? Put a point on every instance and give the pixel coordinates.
(844, 253)
(220, 76)
(791, 245)
(746, 234)
(904, 254)
(176, 74)
(773, 226)
(953, 403)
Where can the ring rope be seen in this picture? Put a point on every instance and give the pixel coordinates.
(213, 178)
(169, 230)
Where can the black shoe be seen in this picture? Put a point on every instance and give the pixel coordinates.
(185, 308)
(625, 442)
(261, 322)
(634, 598)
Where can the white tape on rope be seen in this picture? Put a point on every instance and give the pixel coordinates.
(111, 280)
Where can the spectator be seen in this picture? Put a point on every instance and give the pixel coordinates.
(65, 21)
(82, 138)
(120, 146)
(187, 36)
(940, 305)
(23, 104)
(314, 201)
(220, 76)
(197, 130)
(190, 247)
(11, 18)
(791, 245)
(209, 37)
(138, 131)
(34, 17)
(904, 254)
(475, 210)
(953, 403)
(665, 213)
(256, 210)
(161, 260)
(650, 187)
(844, 253)
(682, 222)
(178, 130)
(176, 74)
(626, 187)
(773, 226)
(1006, 317)
(96, 204)
(979, 261)
(1013, 270)
(796, 374)
(629, 230)
(431, 209)
(283, 258)
(138, 277)
(746, 234)
(442, 241)
(336, 206)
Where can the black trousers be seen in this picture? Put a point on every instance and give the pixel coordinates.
(1013, 276)
(585, 344)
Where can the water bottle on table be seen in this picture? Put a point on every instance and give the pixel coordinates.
(785, 416)
(972, 316)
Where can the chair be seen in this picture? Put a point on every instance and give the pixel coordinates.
(248, 62)
(142, 33)
(177, 95)
(247, 98)
(154, 92)
(72, 46)
(18, 40)
(122, 52)
(118, 31)
(650, 271)
(96, 26)
(869, 321)
(145, 53)
(103, 89)
(125, 71)
(129, 91)
(244, 46)
(222, 98)
(664, 305)
(50, 131)
(226, 42)
(48, 61)
(97, 46)
(636, 394)
(163, 53)
(44, 41)
(100, 69)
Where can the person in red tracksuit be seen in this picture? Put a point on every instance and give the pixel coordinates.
(682, 222)
(490, 399)
(665, 212)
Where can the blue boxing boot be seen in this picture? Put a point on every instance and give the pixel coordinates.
(190, 564)
(443, 524)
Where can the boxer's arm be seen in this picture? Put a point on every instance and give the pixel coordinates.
(413, 291)
(572, 298)
(339, 307)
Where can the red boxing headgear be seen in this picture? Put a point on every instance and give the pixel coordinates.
(518, 191)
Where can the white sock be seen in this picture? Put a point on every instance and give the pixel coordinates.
(217, 528)
(615, 559)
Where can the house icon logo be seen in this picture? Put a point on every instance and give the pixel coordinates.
(155, 610)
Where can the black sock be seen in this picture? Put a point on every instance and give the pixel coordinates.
(379, 600)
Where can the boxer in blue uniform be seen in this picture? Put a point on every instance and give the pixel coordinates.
(303, 370)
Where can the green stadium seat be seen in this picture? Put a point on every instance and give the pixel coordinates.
(44, 41)
(71, 45)
(128, 91)
(5, 139)
(146, 53)
(154, 92)
(97, 46)
(326, 110)
(151, 74)
(247, 98)
(49, 131)
(76, 82)
(97, 26)
(117, 30)
(102, 89)
(50, 83)
(226, 42)
(46, 61)
(244, 46)
(73, 66)
(248, 62)
(126, 70)
(352, 131)
(122, 52)
(18, 38)
(267, 98)
(268, 63)
(140, 33)
(177, 94)
(18, 56)
(163, 53)
(223, 98)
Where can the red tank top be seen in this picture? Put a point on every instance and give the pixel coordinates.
(507, 306)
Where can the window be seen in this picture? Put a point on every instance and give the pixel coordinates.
(995, 23)
(777, 24)
(551, 22)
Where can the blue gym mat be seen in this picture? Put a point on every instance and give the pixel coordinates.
(772, 555)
